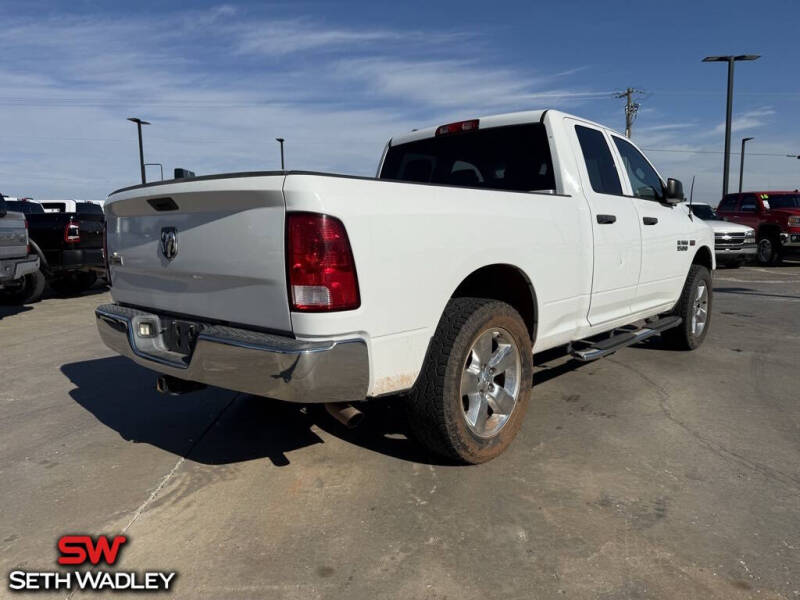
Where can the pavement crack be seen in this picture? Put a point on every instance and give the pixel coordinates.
(181, 460)
(664, 396)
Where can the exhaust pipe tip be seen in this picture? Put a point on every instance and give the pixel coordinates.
(166, 384)
(347, 414)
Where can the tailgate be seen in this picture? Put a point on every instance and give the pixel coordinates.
(13, 236)
(211, 249)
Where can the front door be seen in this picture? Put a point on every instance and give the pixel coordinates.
(666, 251)
(615, 226)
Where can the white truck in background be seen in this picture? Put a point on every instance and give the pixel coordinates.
(478, 243)
(21, 282)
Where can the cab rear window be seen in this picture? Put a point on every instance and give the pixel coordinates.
(513, 158)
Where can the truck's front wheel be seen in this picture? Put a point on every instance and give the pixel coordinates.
(769, 248)
(694, 307)
(471, 397)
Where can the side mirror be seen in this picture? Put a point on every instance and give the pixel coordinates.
(674, 191)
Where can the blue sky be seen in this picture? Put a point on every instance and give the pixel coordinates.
(219, 81)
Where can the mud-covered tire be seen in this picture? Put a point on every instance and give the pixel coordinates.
(436, 408)
(686, 335)
(30, 289)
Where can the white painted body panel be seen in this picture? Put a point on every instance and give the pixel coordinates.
(413, 245)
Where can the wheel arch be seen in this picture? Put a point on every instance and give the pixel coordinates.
(506, 283)
(704, 256)
(768, 229)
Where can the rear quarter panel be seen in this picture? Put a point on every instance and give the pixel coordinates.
(414, 244)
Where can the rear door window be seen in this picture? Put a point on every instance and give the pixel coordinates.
(513, 158)
(599, 161)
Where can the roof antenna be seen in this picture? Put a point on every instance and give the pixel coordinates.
(691, 196)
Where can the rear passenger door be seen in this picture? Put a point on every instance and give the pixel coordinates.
(615, 225)
(664, 268)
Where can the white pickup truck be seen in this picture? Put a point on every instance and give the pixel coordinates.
(477, 244)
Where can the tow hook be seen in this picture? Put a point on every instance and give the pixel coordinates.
(166, 384)
(344, 412)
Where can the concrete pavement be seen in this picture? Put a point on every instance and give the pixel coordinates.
(650, 474)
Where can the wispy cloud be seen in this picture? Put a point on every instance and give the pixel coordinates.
(336, 93)
(748, 120)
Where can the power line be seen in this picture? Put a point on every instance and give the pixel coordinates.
(784, 154)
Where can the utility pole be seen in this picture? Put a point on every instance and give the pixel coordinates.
(631, 108)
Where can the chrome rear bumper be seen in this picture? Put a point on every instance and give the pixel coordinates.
(243, 360)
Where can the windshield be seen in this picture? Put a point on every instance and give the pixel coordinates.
(29, 208)
(705, 212)
(513, 158)
(784, 201)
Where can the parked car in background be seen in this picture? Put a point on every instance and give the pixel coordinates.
(68, 239)
(733, 243)
(479, 242)
(21, 281)
(774, 215)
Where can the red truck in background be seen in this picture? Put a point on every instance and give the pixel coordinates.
(774, 215)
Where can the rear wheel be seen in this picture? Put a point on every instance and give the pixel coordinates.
(472, 394)
(29, 289)
(694, 307)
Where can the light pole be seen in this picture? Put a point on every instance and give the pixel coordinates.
(741, 164)
(730, 60)
(139, 124)
(159, 165)
(280, 141)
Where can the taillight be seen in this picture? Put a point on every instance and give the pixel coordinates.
(458, 127)
(72, 233)
(27, 237)
(319, 264)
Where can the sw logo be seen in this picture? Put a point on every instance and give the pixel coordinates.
(88, 552)
(78, 549)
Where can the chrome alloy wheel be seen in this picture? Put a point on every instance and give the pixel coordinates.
(490, 382)
(700, 310)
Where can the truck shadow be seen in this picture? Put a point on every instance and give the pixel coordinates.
(9, 310)
(219, 427)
